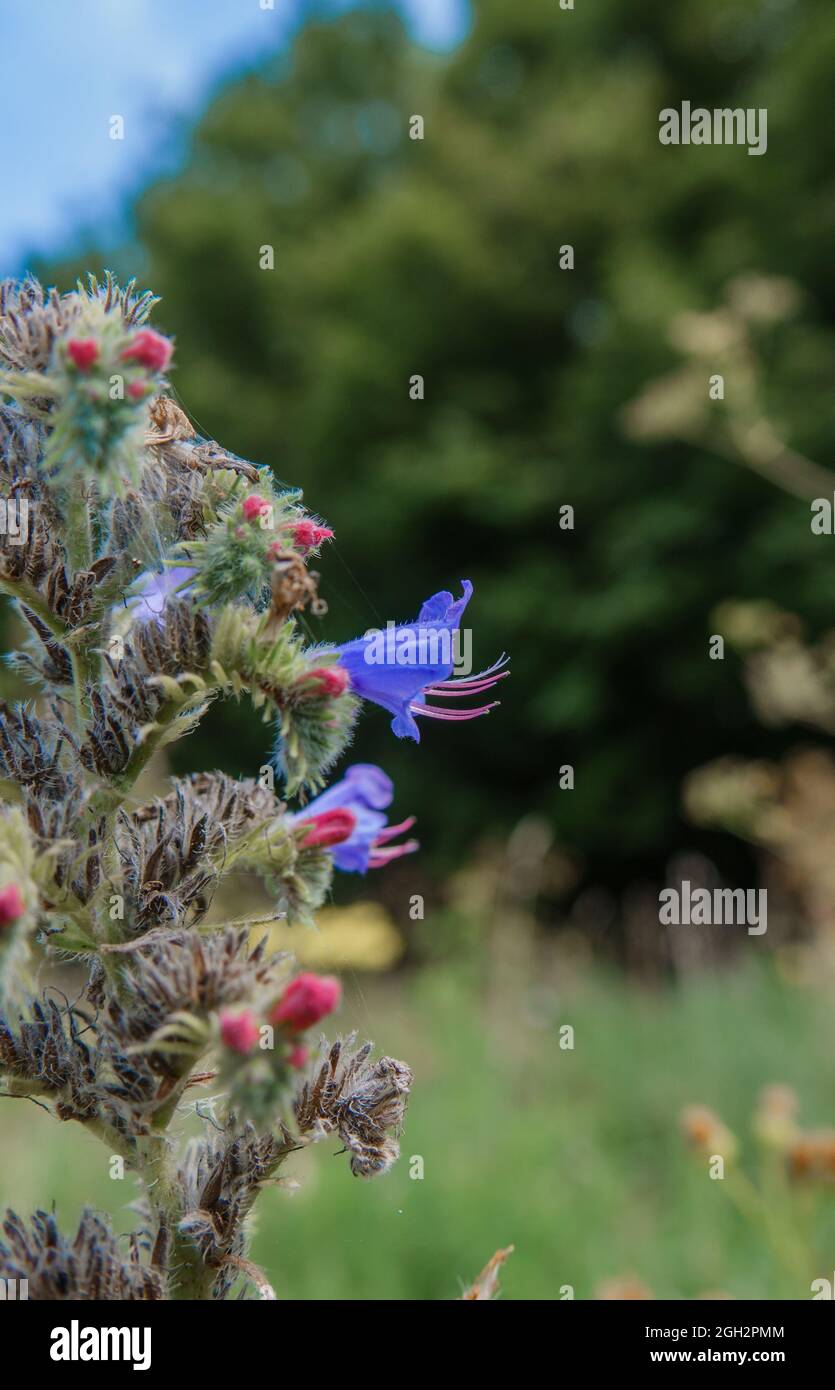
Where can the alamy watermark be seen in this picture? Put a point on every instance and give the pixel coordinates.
(420, 646)
(701, 907)
(14, 519)
(695, 125)
(14, 1290)
(80, 1343)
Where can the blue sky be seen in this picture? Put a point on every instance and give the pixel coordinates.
(69, 65)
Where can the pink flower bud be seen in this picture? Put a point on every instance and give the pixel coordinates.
(239, 1031)
(328, 828)
(307, 535)
(331, 680)
(306, 1000)
(255, 507)
(150, 349)
(297, 1056)
(137, 390)
(83, 352)
(12, 906)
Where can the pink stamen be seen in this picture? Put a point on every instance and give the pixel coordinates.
(379, 857)
(435, 713)
(488, 675)
(458, 689)
(392, 830)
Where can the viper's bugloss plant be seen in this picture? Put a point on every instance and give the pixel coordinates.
(153, 573)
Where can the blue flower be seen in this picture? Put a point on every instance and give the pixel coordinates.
(152, 591)
(365, 791)
(398, 668)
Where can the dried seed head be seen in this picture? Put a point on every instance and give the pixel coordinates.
(221, 1177)
(364, 1102)
(91, 1266)
(31, 320)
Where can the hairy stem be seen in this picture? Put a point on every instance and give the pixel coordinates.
(78, 537)
(25, 593)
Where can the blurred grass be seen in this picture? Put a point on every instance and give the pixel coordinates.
(572, 1156)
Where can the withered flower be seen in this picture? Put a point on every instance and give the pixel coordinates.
(364, 1102)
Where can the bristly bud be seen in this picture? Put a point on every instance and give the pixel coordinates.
(149, 349)
(25, 862)
(84, 388)
(239, 1031)
(233, 558)
(330, 680)
(83, 352)
(308, 536)
(12, 906)
(327, 828)
(306, 1000)
(255, 507)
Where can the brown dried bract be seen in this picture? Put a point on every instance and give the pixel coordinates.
(94, 1266)
(293, 588)
(486, 1284)
(169, 422)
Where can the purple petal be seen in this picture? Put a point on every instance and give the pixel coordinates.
(152, 591)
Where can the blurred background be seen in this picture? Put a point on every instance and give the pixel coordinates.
(544, 387)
